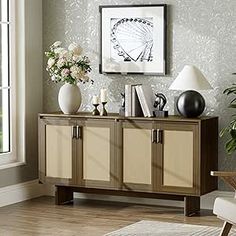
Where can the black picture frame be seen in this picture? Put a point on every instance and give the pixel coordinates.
(119, 69)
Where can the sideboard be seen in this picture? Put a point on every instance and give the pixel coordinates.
(166, 158)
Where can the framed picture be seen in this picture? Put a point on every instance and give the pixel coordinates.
(133, 39)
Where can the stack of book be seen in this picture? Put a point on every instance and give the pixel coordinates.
(139, 100)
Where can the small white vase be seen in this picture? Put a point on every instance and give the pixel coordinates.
(69, 98)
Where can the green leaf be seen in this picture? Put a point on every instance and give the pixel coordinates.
(223, 131)
(230, 146)
(233, 133)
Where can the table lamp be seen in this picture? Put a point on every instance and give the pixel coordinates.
(190, 103)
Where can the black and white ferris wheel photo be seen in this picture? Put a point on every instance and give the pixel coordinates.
(132, 39)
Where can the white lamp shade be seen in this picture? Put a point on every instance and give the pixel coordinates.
(190, 78)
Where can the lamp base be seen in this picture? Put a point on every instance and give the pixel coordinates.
(190, 104)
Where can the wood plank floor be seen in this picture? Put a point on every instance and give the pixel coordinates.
(41, 217)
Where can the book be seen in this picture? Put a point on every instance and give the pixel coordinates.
(146, 99)
(132, 104)
(128, 99)
(141, 100)
(136, 109)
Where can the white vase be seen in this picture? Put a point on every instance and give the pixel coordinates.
(69, 98)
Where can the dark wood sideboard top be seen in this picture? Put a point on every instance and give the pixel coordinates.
(115, 116)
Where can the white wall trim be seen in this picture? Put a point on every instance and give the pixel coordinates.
(207, 201)
(20, 192)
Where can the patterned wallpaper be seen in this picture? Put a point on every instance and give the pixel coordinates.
(200, 32)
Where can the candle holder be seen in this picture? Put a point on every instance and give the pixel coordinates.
(103, 112)
(96, 111)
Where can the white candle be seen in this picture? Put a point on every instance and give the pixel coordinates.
(95, 100)
(103, 95)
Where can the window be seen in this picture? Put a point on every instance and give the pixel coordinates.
(4, 79)
(7, 143)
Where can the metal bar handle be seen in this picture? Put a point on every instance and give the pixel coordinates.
(79, 132)
(74, 132)
(154, 136)
(159, 136)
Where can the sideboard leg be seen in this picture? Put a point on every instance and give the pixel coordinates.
(191, 205)
(63, 195)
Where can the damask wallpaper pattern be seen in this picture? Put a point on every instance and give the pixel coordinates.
(200, 32)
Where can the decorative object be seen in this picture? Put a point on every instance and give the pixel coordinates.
(156, 228)
(159, 104)
(95, 100)
(96, 111)
(70, 67)
(69, 98)
(104, 111)
(133, 39)
(190, 103)
(122, 108)
(96, 104)
(103, 94)
(103, 98)
(230, 145)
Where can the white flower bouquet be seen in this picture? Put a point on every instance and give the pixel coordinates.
(67, 65)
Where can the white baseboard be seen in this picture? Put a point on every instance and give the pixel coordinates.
(20, 192)
(207, 201)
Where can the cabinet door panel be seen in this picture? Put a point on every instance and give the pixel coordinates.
(137, 156)
(179, 162)
(58, 151)
(97, 162)
(178, 158)
(96, 153)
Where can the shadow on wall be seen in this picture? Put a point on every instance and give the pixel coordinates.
(55, 21)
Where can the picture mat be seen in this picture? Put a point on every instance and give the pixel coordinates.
(158, 63)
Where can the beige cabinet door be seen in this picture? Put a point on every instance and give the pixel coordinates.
(58, 152)
(97, 160)
(138, 156)
(180, 159)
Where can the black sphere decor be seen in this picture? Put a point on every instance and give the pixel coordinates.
(190, 104)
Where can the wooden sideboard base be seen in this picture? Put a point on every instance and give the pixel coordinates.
(191, 205)
(64, 195)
